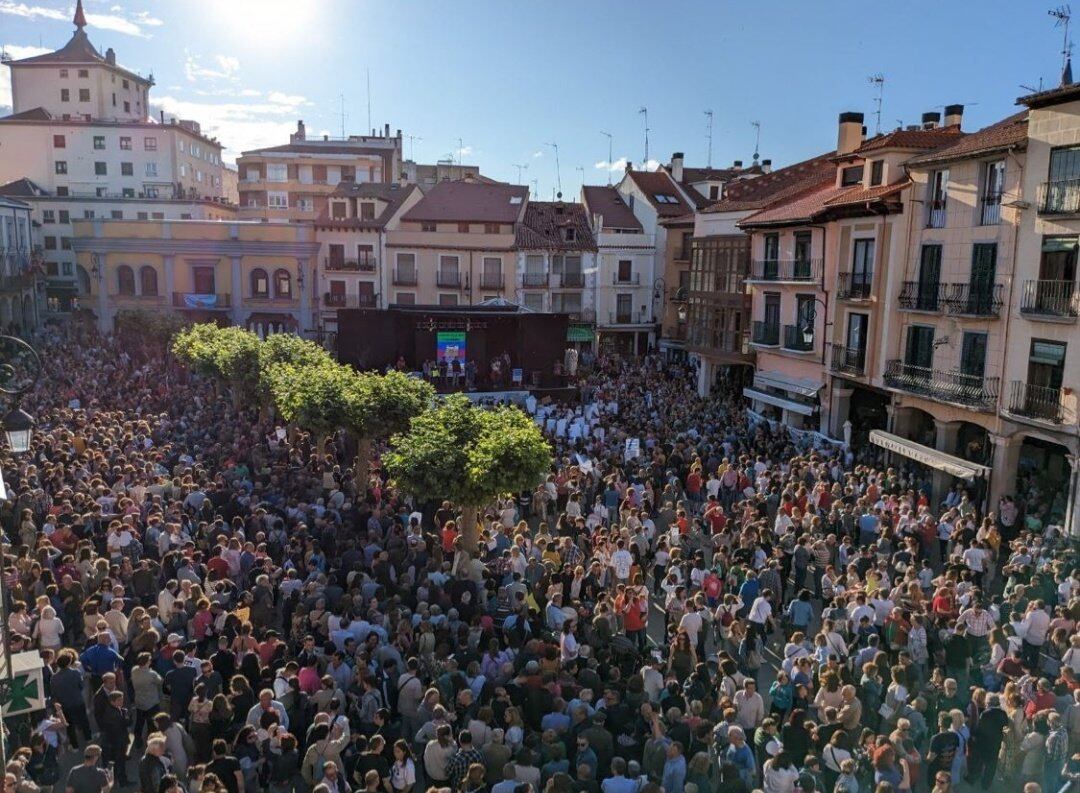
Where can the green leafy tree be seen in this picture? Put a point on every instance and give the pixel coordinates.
(320, 398)
(229, 354)
(469, 455)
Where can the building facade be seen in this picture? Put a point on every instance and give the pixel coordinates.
(253, 274)
(22, 287)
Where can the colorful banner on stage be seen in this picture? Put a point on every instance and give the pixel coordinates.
(450, 345)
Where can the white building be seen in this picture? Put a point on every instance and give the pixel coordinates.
(20, 296)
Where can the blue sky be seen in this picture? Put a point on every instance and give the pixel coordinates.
(508, 78)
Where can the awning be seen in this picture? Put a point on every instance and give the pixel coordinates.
(924, 454)
(796, 385)
(579, 333)
(780, 402)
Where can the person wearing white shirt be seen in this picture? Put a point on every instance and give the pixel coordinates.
(621, 562)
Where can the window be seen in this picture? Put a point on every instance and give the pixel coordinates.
(277, 200)
(48, 216)
(142, 216)
(367, 210)
(993, 180)
(64, 216)
(84, 94)
(450, 299)
(771, 249)
(877, 169)
(973, 358)
(624, 308)
(276, 172)
(569, 233)
(88, 214)
(116, 214)
(66, 267)
(338, 209)
(61, 190)
(150, 144)
(127, 169)
(855, 341)
(50, 243)
(59, 141)
(65, 95)
(851, 175)
(981, 281)
(183, 169)
(862, 268)
(114, 99)
(534, 301)
(152, 192)
(405, 298)
(125, 143)
(427, 225)
(625, 272)
(127, 192)
(65, 243)
(714, 192)
(151, 169)
(84, 72)
(125, 84)
(260, 283)
(60, 166)
(100, 169)
(928, 287)
(282, 284)
(463, 228)
(664, 198)
(63, 72)
(919, 352)
(491, 228)
(157, 215)
(148, 280)
(125, 280)
(937, 194)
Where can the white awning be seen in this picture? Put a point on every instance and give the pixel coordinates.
(780, 402)
(796, 385)
(924, 454)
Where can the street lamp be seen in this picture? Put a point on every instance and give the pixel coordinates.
(810, 318)
(18, 427)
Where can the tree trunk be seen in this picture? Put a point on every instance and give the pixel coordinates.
(470, 528)
(362, 467)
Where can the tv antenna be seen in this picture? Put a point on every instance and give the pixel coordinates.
(1031, 90)
(368, 102)
(609, 163)
(341, 98)
(878, 80)
(558, 174)
(1062, 16)
(460, 151)
(708, 138)
(645, 112)
(522, 167)
(757, 138)
(412, 147)
(581, 168)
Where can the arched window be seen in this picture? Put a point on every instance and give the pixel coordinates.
(260, 284)
(282, 283)
(148, 280)
(125, 280)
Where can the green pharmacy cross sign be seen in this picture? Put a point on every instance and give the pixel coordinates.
(22, 690)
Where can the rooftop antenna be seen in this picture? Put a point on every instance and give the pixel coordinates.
(879, 81)
(368, 101)
(645, 112)
(536, 186)
(1029, 89)
(757, 138)
(708, 137)
(608, 136)
(1062, 15)
(582, 169)
(342, 98)
(522, 167)
(558, 174)
(412, 147)
(460, 151)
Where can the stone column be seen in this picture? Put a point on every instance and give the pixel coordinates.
(705, 374)
(236, 278)
(1003, 474)
(945, 442)
(1072, 509)
(840, 410)
(305, 278)
(168, 277)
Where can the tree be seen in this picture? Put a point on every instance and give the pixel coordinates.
(141, 328)
(320, 398)
(228, 354)
(469, 455)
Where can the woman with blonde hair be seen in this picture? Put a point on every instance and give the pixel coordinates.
(49, 630)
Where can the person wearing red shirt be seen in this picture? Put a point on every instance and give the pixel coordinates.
(714, 514)
(1044, 699)
(449, 535)
(629, 605)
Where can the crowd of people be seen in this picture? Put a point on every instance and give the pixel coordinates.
(690, 603)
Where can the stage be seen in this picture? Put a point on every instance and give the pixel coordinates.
(495, 346)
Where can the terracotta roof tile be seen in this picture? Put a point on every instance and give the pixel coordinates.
(393, 195)
(803, 207)
(757, 193)
(1052, 96)
(606, 201)
(1008, 132)
(654, 183)
(34, 114)
(471, 201)
(545, 223)
(911, 139)
(864, 194)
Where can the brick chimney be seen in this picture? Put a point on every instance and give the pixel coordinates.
(300, 134)
(850, 134)
(677, 166)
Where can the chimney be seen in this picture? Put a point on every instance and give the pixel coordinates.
(629, 166)
(110, 57)
(737, 164)
(676, 166)
(301, 132)
(954, 114)
(387, 135)
(766, 166)
(162, 116)
(850, 133)
(931, 120)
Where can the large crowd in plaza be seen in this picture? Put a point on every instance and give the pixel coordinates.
(718, 609)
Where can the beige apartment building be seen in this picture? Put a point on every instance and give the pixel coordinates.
(456, 245)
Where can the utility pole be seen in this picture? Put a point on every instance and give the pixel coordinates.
(645, 112)
(708, 138)
(520, 168)
(609, 163)
(558, 174)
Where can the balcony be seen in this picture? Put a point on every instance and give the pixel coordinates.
(571, 280)
(1061, 197)
(795, 340)
(201, 300)
(990, 209)
(535, 280)
(581, 315)
(449, 279)
(847, 360)
(127, 298)
(720, 342)
(1038, 402)
(796, 271)
(363, 264)
(350, 301)
(1050, 300)
(628, 318)
(404, 276)
(935, 214)
(973, 391)
(631, 279)
(492, 280)
(918, 296)
(854, 286)
(765, 334)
